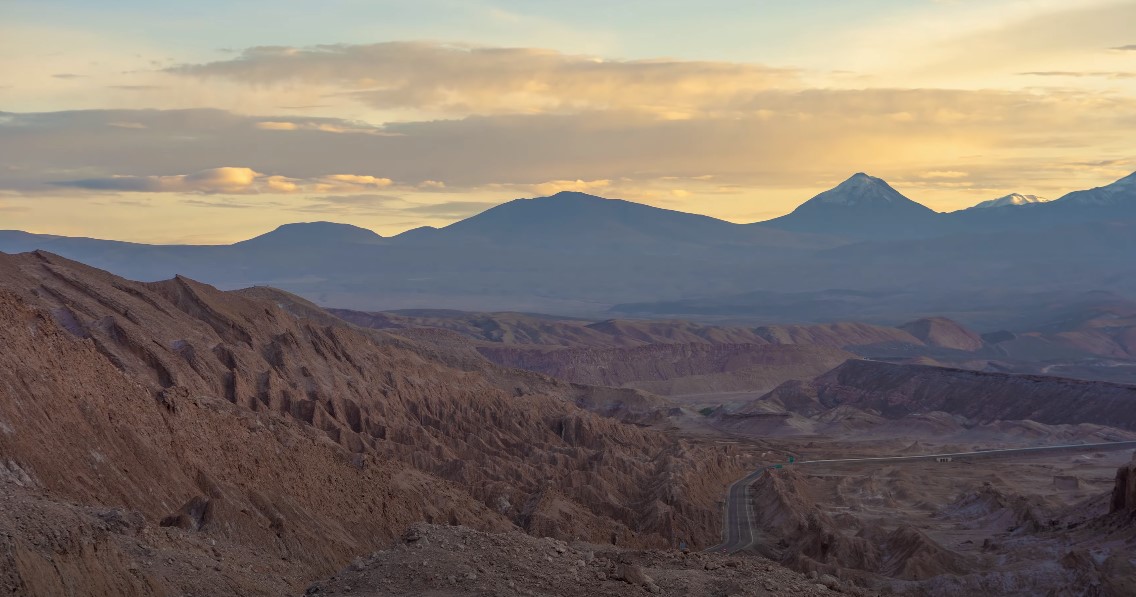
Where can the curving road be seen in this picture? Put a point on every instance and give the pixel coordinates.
(738, 532)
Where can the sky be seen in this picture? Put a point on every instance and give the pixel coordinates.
(211, 122)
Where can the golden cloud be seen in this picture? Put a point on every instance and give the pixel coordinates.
(463, 79)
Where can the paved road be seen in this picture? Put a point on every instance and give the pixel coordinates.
(738, 532)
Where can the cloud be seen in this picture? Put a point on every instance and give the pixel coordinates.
(389, 206)
(1065, 73)
(580, 186)
(324, 125)
(269, 125)
(229, 181)
(1128, 48)
(67, 76)
(779, 143)
(944, 174)
(213, 180)
(451, 209)
(464, 79)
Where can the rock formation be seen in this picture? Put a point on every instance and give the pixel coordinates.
(172, 428)
(1124, 493)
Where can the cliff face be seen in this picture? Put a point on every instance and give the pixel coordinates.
(229, 416)
(1124, 493)
(896, 391)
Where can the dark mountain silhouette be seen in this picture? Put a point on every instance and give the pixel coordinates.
(573, 253)
(313, 234)
(570, 222)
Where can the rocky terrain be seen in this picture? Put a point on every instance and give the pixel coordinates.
(434, 560)
(170, 438)
(1039, 525)
(1090, 339)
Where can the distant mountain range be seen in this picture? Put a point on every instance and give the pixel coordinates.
(859, 251)
(867, 208)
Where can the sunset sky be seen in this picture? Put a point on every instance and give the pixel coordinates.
(211, 121)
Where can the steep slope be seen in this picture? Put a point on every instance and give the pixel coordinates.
(78, 430)
(861, 207)
(228, 415)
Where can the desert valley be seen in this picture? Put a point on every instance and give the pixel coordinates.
(527, 298)
(168, 437)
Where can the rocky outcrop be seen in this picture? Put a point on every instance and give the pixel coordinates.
(944, 333)
(797, 532)
(1124, 492)
(457, 561)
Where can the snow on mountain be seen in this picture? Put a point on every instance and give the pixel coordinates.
(862, 207)
(861, 190)
(1010, 200)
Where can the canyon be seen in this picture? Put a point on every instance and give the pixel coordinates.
(172, 438)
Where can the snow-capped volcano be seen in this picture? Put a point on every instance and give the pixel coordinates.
(1010, 200)
(861, 207)
(861, 190)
